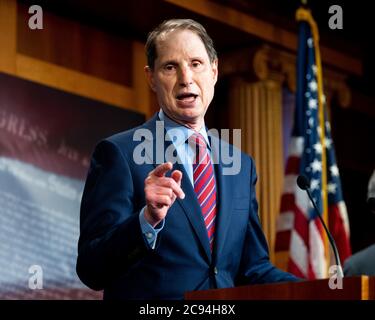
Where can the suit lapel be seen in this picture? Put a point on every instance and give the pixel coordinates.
(225, 198)
(189, 204)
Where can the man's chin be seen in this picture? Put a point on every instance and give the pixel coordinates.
(191, 119)
(191, 115)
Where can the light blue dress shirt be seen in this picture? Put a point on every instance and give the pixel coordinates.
(185, 152)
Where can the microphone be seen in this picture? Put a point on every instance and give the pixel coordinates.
(304, 184)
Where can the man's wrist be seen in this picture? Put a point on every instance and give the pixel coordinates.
(149, 232)
(150, 219)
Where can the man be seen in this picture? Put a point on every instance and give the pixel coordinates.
(155, 231)
(363, 261)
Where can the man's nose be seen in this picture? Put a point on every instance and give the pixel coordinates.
(185, 76)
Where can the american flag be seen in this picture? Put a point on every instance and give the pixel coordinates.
(301, 244)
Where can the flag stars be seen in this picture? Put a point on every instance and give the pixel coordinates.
(314, 68)
(307, 94)
(328, 143)
(313, 103)
(310, 42)
(318, 147)
(331, 187)
(316, 165)
(334, 170)
(313, 85)
(311, 122)
(315, 200)
(314, 185)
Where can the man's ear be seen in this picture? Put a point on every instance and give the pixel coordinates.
(150, 77)
(215, 69)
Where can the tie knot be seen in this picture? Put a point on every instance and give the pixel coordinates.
(198, 143)
(199, 140)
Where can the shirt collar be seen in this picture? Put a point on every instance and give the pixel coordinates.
(169, 124)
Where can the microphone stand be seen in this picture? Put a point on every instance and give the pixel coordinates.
(304, 186)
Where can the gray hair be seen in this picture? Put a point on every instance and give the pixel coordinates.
(178, 24)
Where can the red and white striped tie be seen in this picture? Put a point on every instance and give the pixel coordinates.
(204, 185)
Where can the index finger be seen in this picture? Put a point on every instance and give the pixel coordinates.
(162, 169)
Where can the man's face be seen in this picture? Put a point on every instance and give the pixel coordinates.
(183, 77)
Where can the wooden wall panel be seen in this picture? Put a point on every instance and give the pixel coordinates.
(75, 82)
(76, 46)
(74, 57)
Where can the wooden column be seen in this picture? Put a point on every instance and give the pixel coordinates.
(257, 77)
(257, 112)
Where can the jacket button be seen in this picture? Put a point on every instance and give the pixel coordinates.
(215, 270)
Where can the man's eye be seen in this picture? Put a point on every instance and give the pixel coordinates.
(169, 67)
(196, 64)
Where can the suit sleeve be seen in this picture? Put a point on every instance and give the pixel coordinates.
(256, 266)
(110, 240)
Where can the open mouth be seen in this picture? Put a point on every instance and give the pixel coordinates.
(187, 97)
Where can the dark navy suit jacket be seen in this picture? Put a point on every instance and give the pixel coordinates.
(113, 254)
